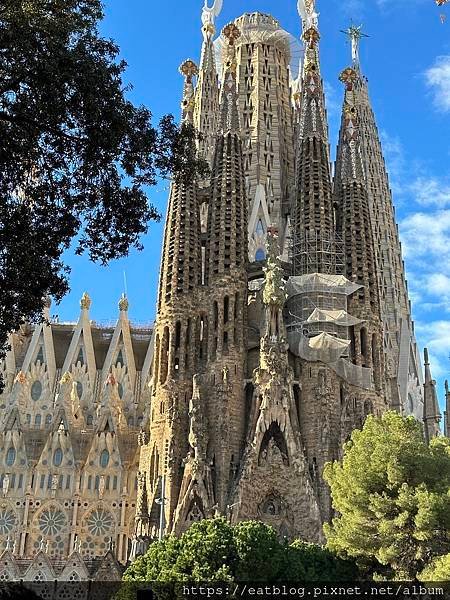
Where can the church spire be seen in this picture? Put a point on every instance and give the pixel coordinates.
(351, 199)
(447, 411)
(207, 90)
(227, 223)
(314, 247)
(431, 411)
(181, 260)
(189, 70)
(399, 343)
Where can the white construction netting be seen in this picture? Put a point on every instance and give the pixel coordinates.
(320, 282)
(323, 347)
(338, 317)
(330, 350)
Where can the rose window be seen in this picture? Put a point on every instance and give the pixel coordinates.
(51, 521)
(100, 522)
(7, 521)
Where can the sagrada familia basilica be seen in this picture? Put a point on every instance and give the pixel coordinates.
(283, 320)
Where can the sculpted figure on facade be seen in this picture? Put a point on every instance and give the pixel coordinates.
(198, 424)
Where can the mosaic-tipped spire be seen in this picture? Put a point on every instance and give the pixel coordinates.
(352, 203)
(394, 302)
(314, 248)
(189, 70)
(85, 302)
(229, 115)
(206, 110)
(351, 161)
(181, 269)
(431, 411)
(124, 303)
(226, 248)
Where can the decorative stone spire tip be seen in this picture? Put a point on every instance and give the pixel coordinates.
(85, 302)
(123, 303)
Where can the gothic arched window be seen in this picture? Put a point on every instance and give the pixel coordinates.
(10, 457)
(57, 457)
(36, 390)
(104, 459)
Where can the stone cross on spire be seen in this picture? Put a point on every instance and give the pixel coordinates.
(355, 34)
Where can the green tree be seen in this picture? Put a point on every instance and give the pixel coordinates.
(213, 550)
(439, 570)
(76, 156)
(306, 562)
(392, 497)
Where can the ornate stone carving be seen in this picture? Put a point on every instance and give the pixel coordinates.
(85, 302)
(198, 426)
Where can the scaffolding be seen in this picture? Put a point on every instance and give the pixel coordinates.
(318, 324)
(317, 251)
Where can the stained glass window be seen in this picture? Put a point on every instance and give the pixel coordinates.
(100, 522)
(36, 390)
(57, 457)
(104, 459)
(10, 457)
(52, 521)
(7, 521)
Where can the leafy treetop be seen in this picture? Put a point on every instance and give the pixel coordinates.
(392, 496)
(76, 155)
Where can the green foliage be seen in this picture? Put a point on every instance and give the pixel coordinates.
(309, 562)
(260, 554)
(213, 550)
(392, 496)
(439, 570)
(76, 156)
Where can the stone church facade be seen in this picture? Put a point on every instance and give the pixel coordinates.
(283, 320)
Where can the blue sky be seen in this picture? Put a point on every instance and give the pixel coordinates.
(407, 61)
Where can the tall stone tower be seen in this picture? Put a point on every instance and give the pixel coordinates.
(283, 315)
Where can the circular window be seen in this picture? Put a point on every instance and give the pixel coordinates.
(272, 507)
(10, 457)
(79, 389)
(7, 521)
(36, 390)
(52, 521)
(104, 459)
(57, 457)
(100, 522)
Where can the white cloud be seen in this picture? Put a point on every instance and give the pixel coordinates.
(437, 78)
(435, 336)
(394, 156)
(438, 284)
(425, 235)
(431, 191)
